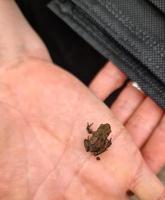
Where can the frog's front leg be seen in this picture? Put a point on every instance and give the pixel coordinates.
(90, 131)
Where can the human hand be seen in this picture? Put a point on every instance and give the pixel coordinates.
(17, 38)
(44, 111)
(143, 119)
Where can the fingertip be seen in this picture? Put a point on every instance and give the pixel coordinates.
(127, 102)
(108, 79)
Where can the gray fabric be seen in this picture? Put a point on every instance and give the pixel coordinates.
(160, 4)
(131, 33)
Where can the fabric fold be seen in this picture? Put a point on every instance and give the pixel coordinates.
(130, 33)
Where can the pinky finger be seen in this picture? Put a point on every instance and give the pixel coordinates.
(154, 150)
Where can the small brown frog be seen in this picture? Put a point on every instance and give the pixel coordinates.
(98, 142)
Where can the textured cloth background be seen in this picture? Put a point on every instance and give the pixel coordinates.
(131, 33)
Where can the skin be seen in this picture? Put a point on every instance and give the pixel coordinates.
(43, 116)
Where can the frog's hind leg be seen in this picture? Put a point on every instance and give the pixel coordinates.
(99, 152)
(90, 131)
(87, 145)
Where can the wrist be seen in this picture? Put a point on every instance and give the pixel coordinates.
(18, 40)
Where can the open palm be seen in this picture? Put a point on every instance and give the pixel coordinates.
(43, 113)
(141, 116)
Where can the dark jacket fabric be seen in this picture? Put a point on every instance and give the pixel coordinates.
(130, 33)
(67, 48)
